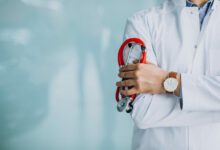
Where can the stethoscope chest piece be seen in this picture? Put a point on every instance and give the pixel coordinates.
(125, 104)
(132, 49)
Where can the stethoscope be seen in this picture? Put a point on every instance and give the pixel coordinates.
(126, 102)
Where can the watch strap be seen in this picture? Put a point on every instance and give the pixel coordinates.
(172, 75)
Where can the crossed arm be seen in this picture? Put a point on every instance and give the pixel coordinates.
(153, 107)
(144, 78)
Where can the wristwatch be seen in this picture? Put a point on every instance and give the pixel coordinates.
(170, 84)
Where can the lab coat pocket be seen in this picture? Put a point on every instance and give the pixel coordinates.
(214, 62)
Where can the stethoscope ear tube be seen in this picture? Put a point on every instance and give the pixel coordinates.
(131, 40)
(127, 102)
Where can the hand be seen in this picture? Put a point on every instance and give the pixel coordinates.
(143, 78)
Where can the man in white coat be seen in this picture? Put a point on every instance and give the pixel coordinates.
(178, 102)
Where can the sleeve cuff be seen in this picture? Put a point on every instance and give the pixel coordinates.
(189, 92)
(181, 98)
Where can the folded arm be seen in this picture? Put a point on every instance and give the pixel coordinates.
(201, 101)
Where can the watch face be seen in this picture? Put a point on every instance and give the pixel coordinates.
(170, 84)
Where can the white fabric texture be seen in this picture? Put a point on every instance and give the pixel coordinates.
(174, 42)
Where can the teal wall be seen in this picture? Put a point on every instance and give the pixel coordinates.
(58, 70)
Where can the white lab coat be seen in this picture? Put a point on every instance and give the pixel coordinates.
(174, 42)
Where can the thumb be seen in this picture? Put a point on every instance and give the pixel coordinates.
(135, 61)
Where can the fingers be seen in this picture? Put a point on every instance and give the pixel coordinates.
(130, 67)
(126, 75)
(137, 61)
(135, 66)
(129, 92)
(126, 83)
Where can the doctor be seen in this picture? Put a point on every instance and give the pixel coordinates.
(178, 102)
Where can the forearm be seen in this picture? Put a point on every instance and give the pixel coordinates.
(163, 110)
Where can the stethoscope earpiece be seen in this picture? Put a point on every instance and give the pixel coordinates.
(143, 48)
(129, 45)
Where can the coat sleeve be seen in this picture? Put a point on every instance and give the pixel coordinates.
(205, 95)
(201, 101)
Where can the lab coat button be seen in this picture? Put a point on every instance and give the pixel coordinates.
(196, 46)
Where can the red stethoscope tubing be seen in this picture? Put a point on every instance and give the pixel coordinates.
(122, 63)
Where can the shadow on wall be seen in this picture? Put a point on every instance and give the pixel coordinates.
(23, 106)
(23, 102)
